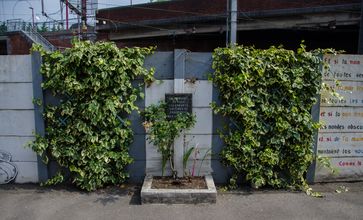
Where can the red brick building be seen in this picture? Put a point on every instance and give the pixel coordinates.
(16, 43)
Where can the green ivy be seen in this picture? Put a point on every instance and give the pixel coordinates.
(88, 132)
(163, 131)
(268, 96)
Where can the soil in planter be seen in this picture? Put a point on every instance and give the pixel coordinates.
(167, 182)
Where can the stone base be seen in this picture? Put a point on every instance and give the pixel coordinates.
(178, 196)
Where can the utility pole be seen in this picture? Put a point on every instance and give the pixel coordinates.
(84, 18)
(84, 12)
(61, 11)
(232, 22)
(42, 3)
(32, 16)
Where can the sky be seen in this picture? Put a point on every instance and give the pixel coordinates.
(14, 9)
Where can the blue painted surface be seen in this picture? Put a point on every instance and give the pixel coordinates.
(49, 99)
(198, 65)
(136, 122)
(315, 113)
(220, 173)
(38, 110)
(137, 171)
(163, 63)
(137, 148)
(219, 124)
(140, 102)
(219, 121)
(215, 96)
(217, 146)
(179, 64)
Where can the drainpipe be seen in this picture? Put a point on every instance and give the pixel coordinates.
(233, 22)
(66, 14)
(227, 23)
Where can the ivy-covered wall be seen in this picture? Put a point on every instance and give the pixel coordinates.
(177, 71)
(193, 74)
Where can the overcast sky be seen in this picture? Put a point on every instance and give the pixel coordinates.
(14, 9)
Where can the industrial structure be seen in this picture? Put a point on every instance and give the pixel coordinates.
(196, 25)
(201, 25)
(18, 35)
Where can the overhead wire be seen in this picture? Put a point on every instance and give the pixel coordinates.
(225, 16)
(16, 3)
(175, 11)
(135, 24)
(167, 10)
(244, 18)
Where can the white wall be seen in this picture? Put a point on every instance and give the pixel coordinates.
(200, 135)
(16, 120)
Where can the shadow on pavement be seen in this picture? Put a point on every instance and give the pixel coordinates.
(107, 195)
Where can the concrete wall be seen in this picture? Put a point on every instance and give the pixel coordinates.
(17, 122)
(176, 70)
(179, 71)
(19, 118)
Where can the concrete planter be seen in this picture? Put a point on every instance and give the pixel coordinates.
(178, 196)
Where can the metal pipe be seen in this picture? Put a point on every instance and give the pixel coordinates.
(43, 13)
(61, 11)
(66, 14)
(233, 22)
(84, 12)
(227, 23)
(32, 16)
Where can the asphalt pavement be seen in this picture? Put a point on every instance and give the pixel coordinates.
(30, 202)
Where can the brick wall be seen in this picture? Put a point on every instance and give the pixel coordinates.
(17, 44)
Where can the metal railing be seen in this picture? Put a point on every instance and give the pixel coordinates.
(39, 39)
(31, 32)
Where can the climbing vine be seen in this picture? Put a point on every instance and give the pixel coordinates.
(87, 132)
(268, 96)
(163, 131)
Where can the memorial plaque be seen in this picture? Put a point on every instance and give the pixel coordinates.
(178, 103)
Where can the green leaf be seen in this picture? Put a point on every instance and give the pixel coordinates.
(85, 132)
(267, 95)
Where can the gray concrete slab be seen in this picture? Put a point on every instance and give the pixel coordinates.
(178, 196)
(33, 202)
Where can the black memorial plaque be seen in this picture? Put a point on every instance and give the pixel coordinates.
(178, 103)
